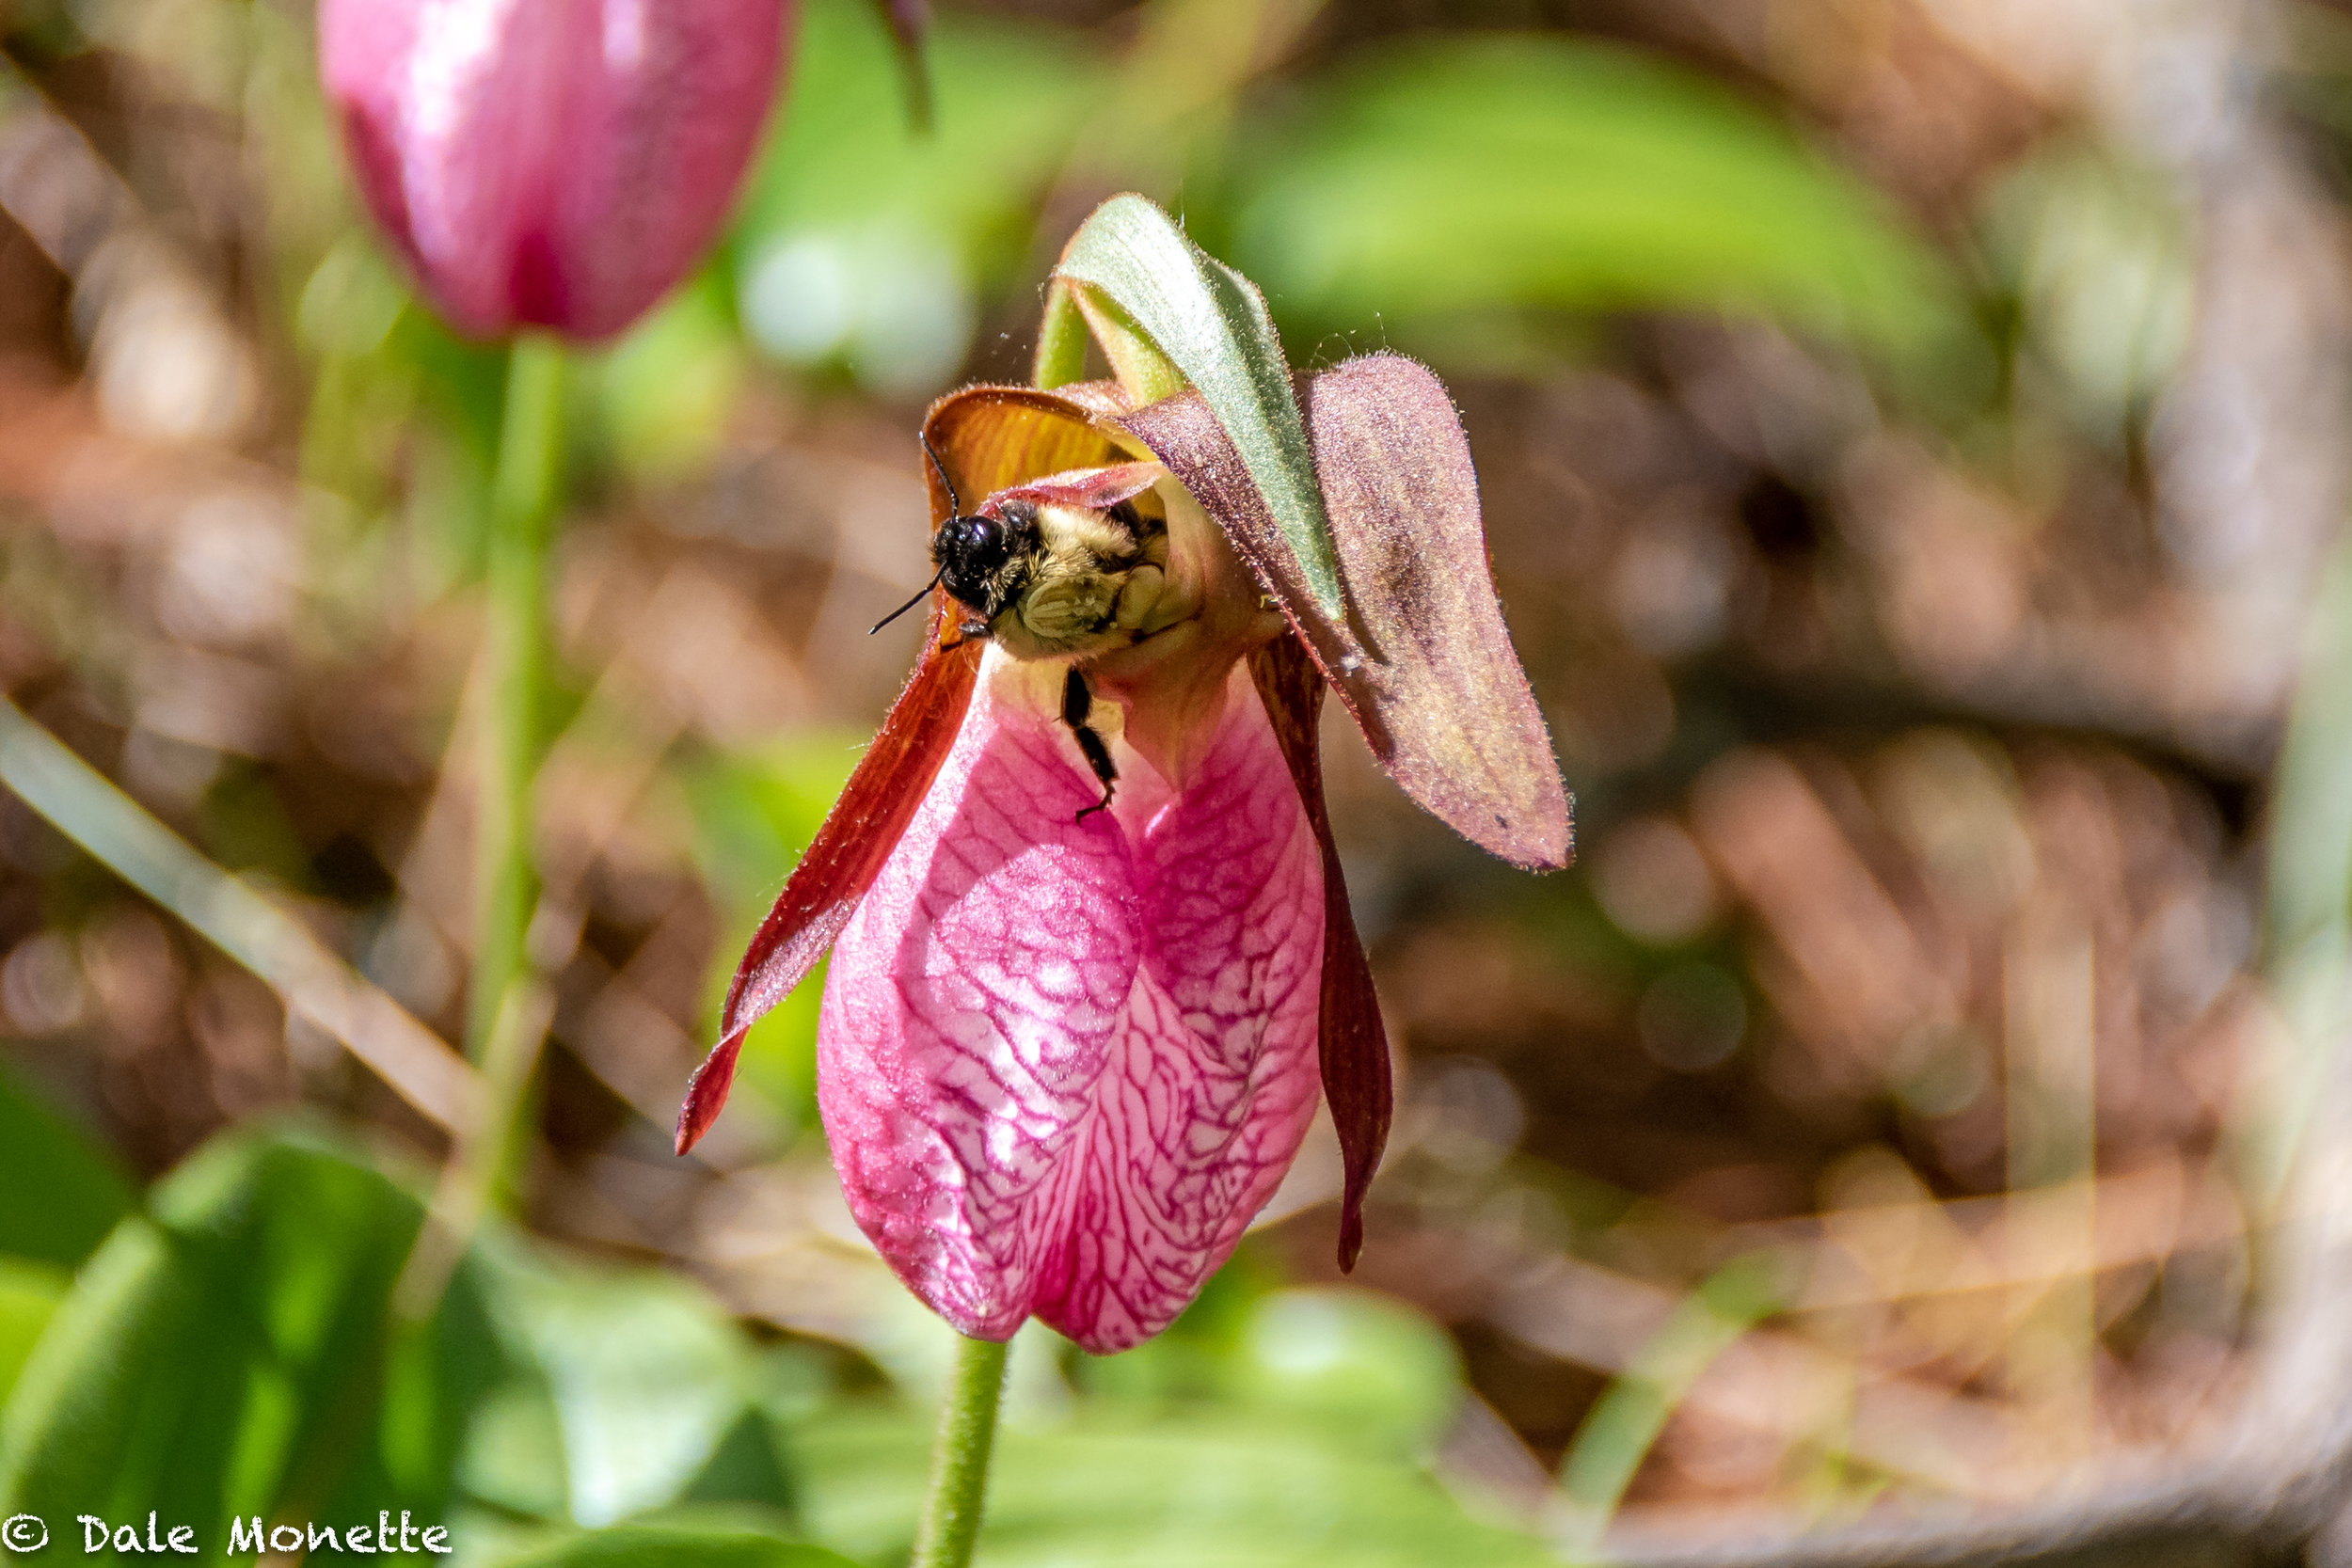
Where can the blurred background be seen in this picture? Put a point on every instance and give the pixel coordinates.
(1911, 440)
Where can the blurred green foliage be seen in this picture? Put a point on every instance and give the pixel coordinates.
(83, 1192)
(754, 812)
(1423, 186)
(868, 246)
(1216, 1486)
(1368, 1372)
(30, 1294)
(658, 1546)
(229, 1351)
(642, 1382)
(2097, 252)
(1623, 1425)
(232, 1350)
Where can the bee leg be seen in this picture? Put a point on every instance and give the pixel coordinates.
(1077, 701)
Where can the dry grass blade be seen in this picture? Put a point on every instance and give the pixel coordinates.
(315, 984)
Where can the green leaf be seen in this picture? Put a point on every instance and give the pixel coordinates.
(1179, 1491)
(1212, 325)
(1379, 1374)
(29, 1294)
(68, 1192)
(226, 1354)
(1515, 174)
(747, 1467)
(2101, 260)
(864, 246)
(671, 1546)
(514, 1454)
(667, 389)
(1011, 98)
(648, 1378)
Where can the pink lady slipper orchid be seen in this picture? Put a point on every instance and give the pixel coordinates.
(549, 163)
(1070, 1044)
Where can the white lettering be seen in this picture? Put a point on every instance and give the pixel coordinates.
(182, 1538)
(94, 1532)
(436, 1540)
(285, 1537)
(323, 1533)
(355, 1539)
(240, 1542)
(127, 1539)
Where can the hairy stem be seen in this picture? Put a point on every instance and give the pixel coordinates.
(968, 1432)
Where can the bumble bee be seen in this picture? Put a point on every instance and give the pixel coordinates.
(1047, 575)
(1051, 580)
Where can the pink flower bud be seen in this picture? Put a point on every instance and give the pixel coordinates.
(549, 163)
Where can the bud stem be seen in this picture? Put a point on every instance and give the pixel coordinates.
(522, 497)
(968, 1432)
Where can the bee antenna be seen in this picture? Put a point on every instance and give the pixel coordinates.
(955, 507)
(910, 604)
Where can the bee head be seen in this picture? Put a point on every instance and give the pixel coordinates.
(972, 552)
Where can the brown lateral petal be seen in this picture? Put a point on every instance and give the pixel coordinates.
(989, 438)
(1354, 1044)
(841, 864)
(1424, 664)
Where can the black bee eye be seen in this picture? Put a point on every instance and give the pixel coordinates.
(973, 543)
(971, 550)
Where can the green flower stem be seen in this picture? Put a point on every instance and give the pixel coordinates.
(522, 499)
(968, 1432)
(485, 1151)
(506, 1005)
